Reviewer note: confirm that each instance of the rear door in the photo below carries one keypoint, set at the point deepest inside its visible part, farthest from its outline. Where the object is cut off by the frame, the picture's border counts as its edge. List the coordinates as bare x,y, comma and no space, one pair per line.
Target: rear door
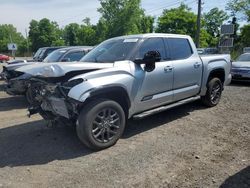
187,68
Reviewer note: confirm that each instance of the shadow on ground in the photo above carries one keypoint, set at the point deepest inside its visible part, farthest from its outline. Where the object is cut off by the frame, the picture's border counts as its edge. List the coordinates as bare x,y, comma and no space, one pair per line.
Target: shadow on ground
238,180
240,83
2,86
33,143
13,102
138,126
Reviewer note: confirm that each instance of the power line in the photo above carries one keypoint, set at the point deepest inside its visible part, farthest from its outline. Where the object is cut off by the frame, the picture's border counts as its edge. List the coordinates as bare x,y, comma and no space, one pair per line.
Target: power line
163,7
168,5
191,2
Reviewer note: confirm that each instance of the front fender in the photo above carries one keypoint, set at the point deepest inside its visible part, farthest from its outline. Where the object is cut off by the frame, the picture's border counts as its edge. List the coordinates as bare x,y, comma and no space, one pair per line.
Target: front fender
87,88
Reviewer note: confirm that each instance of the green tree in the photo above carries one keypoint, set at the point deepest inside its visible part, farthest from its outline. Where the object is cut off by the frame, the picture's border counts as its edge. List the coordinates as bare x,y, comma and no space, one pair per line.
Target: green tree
213,20
86,35
182,20
101,30
45,33
124,17
239,8
245,35
8,34
178,20
71,34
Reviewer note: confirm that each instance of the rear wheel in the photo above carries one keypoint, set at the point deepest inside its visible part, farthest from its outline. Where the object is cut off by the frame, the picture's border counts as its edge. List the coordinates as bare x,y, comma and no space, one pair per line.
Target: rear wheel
213,94
100,124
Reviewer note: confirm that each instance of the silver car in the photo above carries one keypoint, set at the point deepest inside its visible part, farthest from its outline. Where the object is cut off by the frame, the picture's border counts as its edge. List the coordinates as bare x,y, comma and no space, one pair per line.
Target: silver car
241,68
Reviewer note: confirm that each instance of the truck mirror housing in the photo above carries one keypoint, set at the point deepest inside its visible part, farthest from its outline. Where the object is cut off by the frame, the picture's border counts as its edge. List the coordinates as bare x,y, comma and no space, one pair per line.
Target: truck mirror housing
149,58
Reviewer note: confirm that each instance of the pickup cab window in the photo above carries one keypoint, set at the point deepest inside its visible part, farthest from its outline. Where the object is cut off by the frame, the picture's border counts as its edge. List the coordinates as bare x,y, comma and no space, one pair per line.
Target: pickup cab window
179,48
151,44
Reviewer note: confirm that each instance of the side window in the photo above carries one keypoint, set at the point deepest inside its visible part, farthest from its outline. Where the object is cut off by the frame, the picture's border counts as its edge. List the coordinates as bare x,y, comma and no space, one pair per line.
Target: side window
74,56
151,44
179,48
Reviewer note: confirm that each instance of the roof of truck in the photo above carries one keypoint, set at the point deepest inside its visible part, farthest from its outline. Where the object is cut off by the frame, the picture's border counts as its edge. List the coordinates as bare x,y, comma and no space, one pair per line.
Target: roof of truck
147,35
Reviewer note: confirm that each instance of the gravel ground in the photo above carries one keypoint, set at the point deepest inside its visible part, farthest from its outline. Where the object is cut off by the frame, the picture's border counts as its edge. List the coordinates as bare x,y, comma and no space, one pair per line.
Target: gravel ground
189,146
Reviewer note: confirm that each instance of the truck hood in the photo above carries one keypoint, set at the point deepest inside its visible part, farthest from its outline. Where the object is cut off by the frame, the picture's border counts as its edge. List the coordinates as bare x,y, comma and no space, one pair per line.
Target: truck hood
60,69
241,64
18,65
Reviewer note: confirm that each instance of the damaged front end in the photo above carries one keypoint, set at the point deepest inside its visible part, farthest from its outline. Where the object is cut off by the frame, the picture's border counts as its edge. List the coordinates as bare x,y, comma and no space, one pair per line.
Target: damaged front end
51,100
7,74
16,82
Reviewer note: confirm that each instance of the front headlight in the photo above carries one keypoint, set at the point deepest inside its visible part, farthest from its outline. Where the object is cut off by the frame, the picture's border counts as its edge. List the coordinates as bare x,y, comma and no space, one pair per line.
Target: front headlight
50,71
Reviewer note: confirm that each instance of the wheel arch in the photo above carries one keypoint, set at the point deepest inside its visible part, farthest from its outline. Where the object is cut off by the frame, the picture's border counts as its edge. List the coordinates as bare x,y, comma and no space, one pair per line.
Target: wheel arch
112,92
217,73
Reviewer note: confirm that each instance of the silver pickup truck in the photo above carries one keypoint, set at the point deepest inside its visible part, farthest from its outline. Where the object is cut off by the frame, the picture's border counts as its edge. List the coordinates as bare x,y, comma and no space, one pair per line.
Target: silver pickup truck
126,77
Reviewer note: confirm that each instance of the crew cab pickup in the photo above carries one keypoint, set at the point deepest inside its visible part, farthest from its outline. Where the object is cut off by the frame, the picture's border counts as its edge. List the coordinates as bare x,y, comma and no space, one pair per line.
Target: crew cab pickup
127,77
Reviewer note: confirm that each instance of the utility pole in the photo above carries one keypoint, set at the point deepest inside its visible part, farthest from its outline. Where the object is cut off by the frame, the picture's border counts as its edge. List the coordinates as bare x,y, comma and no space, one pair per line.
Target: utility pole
197,37
27,40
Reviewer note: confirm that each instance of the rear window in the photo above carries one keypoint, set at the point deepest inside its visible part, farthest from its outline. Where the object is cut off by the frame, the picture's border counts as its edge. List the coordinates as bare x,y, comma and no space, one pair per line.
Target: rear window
179,48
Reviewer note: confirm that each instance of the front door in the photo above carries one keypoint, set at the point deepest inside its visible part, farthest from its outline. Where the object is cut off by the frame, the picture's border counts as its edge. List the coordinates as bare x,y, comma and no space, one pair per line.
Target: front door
156,86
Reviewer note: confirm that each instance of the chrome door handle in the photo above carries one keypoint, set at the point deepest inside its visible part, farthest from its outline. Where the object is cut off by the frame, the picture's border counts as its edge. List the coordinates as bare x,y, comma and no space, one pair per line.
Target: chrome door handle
197,65
168,69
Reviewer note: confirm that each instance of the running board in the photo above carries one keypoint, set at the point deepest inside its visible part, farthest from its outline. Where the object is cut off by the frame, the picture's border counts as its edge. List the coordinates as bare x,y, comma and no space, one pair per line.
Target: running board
163,108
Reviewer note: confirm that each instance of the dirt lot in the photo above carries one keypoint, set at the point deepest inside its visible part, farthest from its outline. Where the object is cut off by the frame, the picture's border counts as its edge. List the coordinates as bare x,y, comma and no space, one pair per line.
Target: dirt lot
189,146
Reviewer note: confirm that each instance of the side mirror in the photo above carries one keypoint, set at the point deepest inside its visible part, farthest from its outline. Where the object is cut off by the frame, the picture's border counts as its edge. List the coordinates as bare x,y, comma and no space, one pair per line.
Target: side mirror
152,57
149,58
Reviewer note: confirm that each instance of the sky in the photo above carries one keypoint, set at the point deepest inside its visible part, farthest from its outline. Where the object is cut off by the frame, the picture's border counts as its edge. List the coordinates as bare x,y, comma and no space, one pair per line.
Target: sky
21,12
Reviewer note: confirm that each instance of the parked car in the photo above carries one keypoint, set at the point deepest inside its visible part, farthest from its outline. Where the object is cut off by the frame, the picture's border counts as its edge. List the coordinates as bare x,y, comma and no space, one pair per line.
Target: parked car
4,58
126,77
69,54
39,56
241,68
246,50
17,84
42,53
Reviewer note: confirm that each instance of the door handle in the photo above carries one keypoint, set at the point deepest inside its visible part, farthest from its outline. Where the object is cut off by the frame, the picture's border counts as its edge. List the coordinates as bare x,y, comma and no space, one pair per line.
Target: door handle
197,65
168,69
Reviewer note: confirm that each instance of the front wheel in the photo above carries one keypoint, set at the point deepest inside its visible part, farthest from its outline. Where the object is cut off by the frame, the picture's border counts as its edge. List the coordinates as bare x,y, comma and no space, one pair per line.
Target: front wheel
100,124
30,96
213,94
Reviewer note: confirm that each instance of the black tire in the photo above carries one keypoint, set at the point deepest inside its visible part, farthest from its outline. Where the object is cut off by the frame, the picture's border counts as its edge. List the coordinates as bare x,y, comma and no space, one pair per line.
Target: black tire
100,124
213,94
29,96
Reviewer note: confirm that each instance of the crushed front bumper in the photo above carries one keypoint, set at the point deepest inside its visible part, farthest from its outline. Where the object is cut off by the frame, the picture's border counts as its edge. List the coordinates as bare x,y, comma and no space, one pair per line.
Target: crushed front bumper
57,106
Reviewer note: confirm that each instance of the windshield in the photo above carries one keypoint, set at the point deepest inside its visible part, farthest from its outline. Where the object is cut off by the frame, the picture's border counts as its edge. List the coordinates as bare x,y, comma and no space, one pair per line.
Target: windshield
37,53
41,54
54,56
111,50
244,57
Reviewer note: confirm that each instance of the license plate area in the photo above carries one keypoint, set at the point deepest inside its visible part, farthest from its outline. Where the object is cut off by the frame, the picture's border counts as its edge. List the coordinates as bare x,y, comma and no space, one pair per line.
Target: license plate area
59,106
